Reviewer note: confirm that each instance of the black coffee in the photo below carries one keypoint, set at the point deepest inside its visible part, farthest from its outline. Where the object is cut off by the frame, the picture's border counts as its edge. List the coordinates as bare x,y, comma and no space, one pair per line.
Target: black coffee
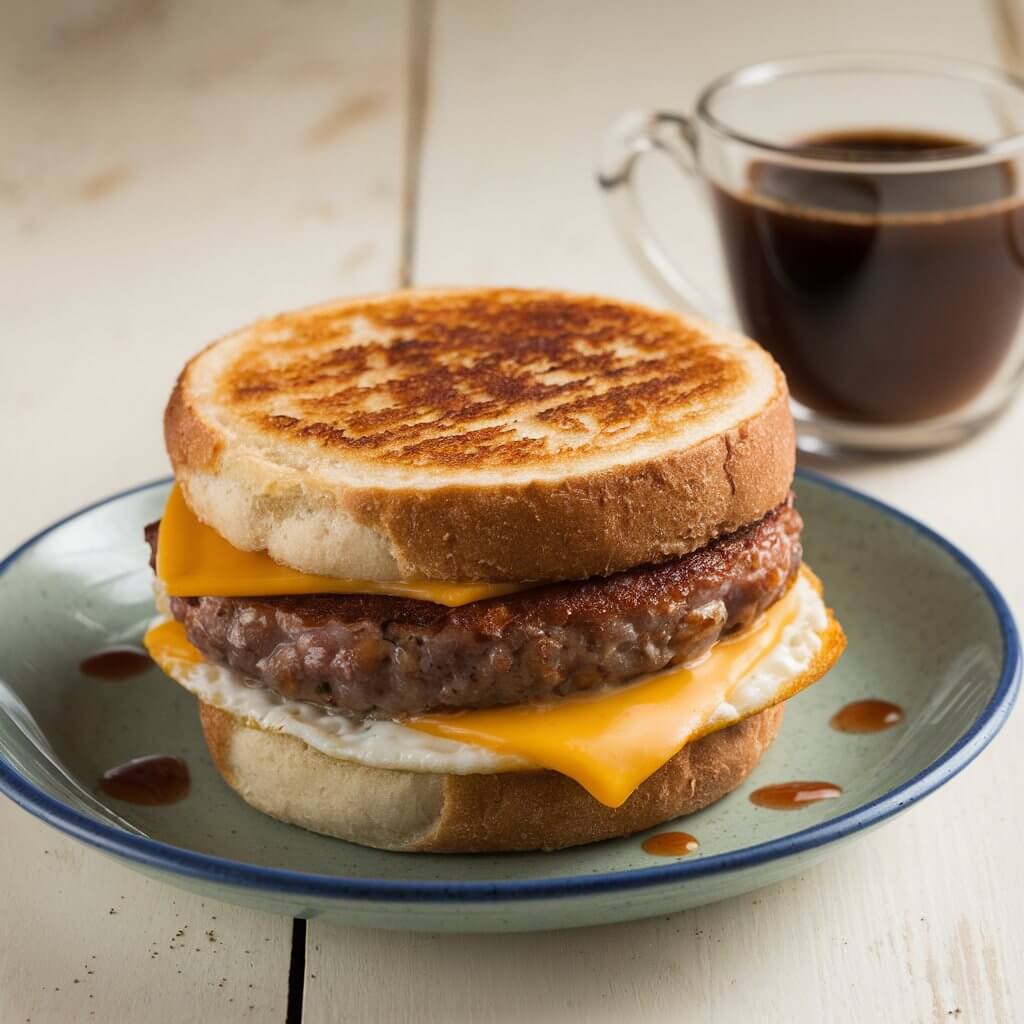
884,297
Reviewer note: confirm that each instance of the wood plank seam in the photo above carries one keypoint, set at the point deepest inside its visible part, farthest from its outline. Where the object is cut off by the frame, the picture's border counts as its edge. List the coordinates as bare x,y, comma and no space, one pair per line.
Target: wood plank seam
296,972
420,28
419,38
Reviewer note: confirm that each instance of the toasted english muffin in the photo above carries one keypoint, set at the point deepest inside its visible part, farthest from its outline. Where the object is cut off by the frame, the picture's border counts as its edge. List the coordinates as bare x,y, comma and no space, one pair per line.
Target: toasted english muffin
479,435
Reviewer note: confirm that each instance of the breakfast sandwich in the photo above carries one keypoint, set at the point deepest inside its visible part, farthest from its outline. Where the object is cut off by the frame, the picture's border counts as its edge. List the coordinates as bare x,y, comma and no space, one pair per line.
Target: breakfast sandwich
484,569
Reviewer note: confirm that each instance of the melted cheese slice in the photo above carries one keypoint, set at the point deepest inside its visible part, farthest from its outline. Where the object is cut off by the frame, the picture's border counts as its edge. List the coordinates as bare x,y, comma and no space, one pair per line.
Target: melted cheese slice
611,742
169,646
193,560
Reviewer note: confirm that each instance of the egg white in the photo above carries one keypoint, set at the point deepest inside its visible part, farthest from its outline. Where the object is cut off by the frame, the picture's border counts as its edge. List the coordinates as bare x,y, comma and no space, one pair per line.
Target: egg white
382,744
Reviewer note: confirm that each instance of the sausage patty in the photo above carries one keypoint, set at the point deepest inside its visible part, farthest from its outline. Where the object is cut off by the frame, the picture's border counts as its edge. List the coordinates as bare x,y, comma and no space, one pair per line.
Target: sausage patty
387,656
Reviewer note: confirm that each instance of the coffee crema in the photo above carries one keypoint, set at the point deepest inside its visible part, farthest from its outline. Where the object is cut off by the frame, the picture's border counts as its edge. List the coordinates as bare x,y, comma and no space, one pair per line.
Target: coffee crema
885,297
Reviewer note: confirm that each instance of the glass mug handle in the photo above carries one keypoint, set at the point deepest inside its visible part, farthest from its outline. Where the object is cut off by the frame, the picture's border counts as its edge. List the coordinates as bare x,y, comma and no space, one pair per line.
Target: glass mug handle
631,137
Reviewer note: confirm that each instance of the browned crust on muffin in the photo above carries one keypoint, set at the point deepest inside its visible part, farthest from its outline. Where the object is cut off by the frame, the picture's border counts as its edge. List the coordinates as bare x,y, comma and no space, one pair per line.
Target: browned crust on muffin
569,525
189,440
532,810
591,525
567,529
446,379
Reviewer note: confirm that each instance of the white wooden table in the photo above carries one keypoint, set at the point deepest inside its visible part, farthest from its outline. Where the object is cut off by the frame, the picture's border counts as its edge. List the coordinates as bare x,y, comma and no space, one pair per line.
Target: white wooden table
171,170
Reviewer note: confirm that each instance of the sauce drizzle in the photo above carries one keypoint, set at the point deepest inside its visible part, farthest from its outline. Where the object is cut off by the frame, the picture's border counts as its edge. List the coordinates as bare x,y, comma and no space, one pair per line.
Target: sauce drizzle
670,844
152,781
116,663
791,796
867,716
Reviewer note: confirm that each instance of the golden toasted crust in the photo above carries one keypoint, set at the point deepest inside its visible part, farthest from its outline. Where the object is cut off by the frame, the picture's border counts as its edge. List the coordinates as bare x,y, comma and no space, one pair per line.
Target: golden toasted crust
442,380
421,812
480,435
190,442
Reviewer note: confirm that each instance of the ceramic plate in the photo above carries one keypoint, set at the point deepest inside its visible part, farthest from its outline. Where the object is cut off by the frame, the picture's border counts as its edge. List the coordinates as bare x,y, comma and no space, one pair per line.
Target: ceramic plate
927,630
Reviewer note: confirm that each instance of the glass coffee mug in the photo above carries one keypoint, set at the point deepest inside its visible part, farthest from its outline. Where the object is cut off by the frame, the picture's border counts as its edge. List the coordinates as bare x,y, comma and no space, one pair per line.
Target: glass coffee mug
870,211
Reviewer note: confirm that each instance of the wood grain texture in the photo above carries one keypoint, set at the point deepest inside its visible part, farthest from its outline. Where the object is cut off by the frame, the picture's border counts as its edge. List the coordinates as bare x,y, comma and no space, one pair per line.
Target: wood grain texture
919,921
169,171
85,939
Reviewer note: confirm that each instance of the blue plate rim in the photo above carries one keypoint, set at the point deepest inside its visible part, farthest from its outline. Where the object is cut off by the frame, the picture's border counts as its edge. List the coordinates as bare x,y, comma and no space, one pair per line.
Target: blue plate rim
160,856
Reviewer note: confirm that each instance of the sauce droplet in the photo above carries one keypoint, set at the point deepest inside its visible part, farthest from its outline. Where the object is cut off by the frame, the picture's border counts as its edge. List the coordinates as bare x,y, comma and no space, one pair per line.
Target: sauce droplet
155,780
791,796
867,716
115,663
670,844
